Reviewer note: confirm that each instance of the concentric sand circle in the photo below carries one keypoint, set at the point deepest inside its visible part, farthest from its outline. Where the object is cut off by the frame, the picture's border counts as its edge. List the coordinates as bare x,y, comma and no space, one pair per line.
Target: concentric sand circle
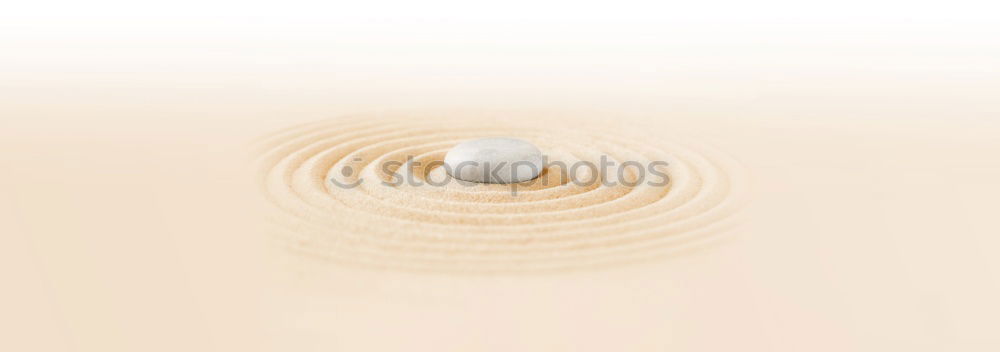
371,190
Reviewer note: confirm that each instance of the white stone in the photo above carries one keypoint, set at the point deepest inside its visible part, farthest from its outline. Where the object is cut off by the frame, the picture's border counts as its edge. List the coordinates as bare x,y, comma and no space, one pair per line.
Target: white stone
494,160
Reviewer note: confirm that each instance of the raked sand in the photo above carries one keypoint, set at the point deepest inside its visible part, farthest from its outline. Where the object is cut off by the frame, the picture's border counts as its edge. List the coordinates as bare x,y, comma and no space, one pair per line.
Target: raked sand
834,187
777,233
371,190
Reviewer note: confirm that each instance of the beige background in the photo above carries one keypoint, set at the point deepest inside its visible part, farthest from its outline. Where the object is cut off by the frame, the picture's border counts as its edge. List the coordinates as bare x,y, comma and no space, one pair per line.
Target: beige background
870,132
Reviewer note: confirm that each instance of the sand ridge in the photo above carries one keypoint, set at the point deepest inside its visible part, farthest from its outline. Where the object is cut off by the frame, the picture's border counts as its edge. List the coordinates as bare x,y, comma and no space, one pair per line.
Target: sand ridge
551,224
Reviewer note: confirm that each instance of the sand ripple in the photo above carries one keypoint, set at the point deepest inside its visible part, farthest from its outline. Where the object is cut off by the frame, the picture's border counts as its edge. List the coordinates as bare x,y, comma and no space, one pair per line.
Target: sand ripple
551,223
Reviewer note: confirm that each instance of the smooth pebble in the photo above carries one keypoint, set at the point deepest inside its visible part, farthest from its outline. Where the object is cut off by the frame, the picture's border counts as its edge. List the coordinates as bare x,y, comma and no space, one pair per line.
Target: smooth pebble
494,160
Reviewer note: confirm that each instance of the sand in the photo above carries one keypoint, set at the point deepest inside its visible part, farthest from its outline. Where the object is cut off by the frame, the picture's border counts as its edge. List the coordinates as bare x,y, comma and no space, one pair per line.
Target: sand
835,189
337,201
880,243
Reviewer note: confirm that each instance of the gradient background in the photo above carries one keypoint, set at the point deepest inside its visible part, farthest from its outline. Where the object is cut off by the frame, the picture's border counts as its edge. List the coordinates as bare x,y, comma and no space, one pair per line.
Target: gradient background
870,128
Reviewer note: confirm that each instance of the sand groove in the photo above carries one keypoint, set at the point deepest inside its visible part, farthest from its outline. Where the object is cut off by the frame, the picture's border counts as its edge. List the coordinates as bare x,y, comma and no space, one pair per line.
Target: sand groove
443,225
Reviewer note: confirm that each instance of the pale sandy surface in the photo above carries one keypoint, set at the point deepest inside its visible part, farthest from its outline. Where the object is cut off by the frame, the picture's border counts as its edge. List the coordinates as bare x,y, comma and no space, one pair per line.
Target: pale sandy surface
864,236
131,220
